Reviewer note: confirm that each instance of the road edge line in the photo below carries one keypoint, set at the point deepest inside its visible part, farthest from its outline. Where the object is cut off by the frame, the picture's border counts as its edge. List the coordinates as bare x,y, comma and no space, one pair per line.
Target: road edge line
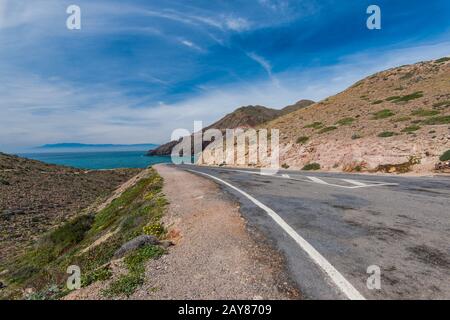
339,280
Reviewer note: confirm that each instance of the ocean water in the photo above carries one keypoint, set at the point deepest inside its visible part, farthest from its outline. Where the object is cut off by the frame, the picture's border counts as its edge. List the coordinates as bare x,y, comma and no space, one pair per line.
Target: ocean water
98,160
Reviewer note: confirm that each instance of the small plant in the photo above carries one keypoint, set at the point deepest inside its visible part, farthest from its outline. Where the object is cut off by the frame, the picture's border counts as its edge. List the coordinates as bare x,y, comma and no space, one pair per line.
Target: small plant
328,129
302,140
315,125
345,121
377,102
437,120
407,98
445,156
424,113
411,128
393,98
356,136
285,166
386,134
311,166
100,274
155,229
383,114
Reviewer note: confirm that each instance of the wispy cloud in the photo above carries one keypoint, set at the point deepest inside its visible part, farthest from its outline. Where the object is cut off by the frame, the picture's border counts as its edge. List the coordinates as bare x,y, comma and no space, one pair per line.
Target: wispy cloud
265,65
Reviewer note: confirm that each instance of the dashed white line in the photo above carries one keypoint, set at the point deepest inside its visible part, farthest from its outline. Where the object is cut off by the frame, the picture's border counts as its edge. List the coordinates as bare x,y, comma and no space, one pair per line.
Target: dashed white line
339,280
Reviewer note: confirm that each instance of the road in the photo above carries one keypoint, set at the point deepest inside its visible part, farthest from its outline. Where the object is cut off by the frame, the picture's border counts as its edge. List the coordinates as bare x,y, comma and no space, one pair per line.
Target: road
332,227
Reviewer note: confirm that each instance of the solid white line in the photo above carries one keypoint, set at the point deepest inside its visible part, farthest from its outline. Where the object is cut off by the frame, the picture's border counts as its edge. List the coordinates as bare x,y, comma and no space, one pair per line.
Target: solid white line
317,180
356,183
346,287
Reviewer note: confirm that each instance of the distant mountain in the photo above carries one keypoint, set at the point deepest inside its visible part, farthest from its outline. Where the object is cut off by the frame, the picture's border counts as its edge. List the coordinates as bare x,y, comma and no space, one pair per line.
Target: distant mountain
243,117
94,147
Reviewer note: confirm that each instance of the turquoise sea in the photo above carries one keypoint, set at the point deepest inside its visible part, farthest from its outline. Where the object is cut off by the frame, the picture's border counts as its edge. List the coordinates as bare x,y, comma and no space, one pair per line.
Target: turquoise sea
98,160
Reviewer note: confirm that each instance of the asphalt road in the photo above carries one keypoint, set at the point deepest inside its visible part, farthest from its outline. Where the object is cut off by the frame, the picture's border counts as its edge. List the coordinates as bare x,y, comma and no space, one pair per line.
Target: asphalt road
352,222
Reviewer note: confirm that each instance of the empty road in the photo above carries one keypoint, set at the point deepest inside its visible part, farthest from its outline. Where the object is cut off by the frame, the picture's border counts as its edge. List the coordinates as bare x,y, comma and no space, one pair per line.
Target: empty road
332,227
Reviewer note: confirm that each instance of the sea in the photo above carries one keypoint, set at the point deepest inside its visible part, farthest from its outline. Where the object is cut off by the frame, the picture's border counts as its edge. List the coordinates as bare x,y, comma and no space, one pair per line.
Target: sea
101,160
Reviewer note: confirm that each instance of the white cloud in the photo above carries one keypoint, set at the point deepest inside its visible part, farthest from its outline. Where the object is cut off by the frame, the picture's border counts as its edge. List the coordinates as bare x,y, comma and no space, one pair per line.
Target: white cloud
237,24
265,65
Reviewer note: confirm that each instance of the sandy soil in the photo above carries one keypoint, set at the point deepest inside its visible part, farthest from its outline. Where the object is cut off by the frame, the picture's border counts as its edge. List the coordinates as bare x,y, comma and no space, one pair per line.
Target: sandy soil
215,256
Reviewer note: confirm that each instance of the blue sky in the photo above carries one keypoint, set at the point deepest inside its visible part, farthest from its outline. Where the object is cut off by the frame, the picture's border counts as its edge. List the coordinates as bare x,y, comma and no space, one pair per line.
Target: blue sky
139,69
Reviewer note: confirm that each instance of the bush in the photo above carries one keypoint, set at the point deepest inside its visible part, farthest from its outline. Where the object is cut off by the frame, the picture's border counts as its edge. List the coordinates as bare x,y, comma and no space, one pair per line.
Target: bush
302,140
356,136
311,166
445,156
328,129
383,114
285,166
386,134
437,120
401,119
155,229
377,102
442,104
315,125
411,128
345,121
442,60
407,98
424,113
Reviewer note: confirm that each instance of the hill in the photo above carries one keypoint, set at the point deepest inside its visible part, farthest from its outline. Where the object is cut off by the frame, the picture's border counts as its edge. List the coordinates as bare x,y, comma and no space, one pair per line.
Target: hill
243,117
34,197
394,121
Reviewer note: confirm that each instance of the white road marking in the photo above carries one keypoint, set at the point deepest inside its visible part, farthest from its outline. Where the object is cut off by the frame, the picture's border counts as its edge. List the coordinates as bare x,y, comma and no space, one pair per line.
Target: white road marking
339,280
355,184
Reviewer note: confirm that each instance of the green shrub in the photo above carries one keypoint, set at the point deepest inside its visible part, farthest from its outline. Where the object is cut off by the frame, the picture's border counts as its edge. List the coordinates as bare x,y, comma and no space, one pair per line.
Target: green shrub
345,121
424,113
377,102
328,129
315,125
437,120
285,166
393,98
445,156
407,98
383,114
411,128
155,229
386,134
441,60
311,166
100,274
301,140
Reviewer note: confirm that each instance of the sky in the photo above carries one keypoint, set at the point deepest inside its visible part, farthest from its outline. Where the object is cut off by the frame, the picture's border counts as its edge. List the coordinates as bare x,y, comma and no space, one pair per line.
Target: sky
139,69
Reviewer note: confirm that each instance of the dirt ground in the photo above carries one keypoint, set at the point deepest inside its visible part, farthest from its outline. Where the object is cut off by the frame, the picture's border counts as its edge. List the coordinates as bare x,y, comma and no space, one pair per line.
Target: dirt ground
215,256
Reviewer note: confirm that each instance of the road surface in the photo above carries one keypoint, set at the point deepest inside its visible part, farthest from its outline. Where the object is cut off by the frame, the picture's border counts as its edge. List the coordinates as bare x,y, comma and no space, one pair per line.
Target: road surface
332,227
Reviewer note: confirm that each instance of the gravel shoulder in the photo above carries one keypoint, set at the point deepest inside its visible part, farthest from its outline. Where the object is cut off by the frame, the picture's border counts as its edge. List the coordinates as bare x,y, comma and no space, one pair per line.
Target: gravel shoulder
215,255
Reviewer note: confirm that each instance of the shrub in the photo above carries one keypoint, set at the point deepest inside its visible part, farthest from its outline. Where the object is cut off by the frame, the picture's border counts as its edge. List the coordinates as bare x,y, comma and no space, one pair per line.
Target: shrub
437,120
383,114
315,125
356,136
345,121
302,140
411,128
311,166
424,113
443,104
442,60
393,98
285,166
445,156
408,97
155,229
377,102
328,129
386,134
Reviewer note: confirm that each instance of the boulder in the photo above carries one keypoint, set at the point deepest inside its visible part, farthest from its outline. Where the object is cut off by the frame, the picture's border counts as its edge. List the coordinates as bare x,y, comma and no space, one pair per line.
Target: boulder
136,243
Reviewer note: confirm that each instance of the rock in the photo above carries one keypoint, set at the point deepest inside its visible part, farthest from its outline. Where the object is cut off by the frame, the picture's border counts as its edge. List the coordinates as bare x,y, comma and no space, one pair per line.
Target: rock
441,166
2,285
135,244
166,244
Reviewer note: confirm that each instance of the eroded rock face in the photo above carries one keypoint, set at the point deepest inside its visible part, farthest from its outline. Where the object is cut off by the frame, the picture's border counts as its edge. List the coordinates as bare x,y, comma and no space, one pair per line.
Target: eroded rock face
136,243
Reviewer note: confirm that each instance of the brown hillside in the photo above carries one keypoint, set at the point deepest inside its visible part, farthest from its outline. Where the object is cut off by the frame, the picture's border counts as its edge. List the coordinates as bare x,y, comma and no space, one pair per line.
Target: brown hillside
35,197
384,119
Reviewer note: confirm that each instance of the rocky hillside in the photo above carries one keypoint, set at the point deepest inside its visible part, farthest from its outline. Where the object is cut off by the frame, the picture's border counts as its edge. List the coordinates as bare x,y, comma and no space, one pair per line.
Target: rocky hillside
34,197
395,121
396,117
243,117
